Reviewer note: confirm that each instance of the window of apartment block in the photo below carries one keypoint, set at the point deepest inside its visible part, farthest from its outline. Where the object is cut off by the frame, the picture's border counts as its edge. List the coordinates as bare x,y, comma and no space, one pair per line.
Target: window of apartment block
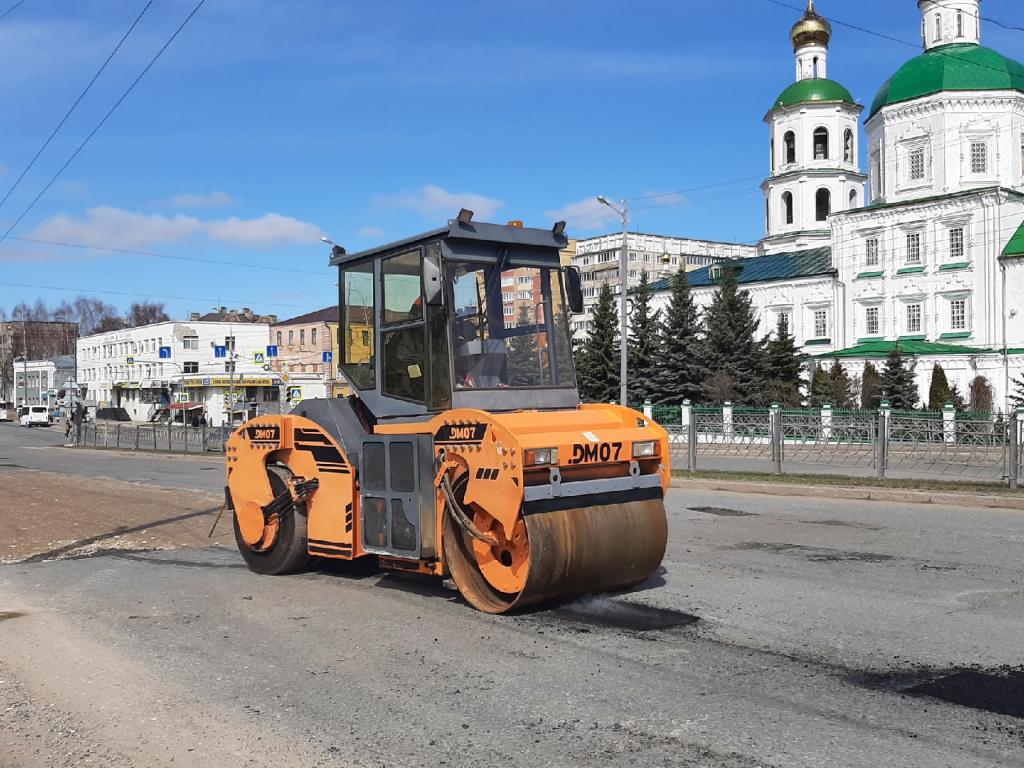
820,323
291,338
871,252
916,162
872,322
979,157
302,337
914,317
913,248
312,336
190,367
958,314
190,343
956,243
509,311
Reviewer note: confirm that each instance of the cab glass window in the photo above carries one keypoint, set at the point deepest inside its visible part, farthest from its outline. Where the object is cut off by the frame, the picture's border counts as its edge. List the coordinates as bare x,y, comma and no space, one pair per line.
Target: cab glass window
402,291
358,310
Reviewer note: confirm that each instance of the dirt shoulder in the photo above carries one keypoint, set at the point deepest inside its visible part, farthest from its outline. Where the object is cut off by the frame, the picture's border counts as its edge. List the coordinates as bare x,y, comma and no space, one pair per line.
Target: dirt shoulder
46,516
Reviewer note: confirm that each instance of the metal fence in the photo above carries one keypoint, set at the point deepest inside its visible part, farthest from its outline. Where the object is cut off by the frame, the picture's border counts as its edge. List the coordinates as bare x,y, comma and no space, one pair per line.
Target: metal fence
152,437
883,443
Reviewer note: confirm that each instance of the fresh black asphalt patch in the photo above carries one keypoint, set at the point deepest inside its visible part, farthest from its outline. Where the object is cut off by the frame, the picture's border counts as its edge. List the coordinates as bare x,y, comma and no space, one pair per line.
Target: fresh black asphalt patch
815,554
1000,691
723,512
613,614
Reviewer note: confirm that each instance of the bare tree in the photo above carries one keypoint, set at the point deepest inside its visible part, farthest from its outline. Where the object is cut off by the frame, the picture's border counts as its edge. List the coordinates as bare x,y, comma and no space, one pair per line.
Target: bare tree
145,313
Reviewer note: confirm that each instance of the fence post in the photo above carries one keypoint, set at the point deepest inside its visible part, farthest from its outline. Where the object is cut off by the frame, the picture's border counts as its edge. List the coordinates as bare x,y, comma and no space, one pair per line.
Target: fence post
689,418
648,410
727,421
949,423
775,421
117,437
1014,469
882,448
826,422
185,433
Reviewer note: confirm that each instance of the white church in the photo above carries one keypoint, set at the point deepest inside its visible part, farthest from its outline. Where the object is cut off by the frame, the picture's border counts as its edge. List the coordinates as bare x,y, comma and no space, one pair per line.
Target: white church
926,251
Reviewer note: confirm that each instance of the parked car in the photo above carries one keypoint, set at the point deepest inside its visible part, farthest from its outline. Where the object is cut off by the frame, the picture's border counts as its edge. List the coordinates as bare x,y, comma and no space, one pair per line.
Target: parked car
34,416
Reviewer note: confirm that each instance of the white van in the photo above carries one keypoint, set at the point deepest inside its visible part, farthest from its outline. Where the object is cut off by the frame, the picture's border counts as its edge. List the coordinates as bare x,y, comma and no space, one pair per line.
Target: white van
34,416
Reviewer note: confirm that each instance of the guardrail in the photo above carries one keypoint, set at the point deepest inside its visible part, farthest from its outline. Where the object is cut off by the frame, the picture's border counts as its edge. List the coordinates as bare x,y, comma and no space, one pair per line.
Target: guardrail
887,442
153,437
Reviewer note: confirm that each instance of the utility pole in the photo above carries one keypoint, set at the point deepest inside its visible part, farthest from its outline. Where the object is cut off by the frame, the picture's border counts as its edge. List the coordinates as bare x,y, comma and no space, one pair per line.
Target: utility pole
623,290
24,362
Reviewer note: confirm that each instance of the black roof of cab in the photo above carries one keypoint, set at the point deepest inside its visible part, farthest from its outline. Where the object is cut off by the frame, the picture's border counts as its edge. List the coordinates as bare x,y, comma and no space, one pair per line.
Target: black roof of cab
525,243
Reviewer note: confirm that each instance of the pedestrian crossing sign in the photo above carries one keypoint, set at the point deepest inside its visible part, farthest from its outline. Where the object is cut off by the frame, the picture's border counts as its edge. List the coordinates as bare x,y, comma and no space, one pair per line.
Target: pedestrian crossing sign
259,358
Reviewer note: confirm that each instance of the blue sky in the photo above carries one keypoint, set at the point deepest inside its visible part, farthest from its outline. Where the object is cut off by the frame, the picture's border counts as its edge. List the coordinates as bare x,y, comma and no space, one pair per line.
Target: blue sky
268,123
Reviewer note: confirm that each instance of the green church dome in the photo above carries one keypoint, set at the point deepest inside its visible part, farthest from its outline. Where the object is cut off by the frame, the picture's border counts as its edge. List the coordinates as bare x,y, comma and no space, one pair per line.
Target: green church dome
954,67
812,90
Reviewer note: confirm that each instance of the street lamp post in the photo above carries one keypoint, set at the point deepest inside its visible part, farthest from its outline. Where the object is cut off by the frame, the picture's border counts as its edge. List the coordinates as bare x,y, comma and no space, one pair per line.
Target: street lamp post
623,290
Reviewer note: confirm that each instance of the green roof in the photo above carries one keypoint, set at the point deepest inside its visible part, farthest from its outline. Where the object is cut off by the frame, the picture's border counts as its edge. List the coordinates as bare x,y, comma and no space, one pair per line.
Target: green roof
811,262
810,90
1016,245
881,348
954,67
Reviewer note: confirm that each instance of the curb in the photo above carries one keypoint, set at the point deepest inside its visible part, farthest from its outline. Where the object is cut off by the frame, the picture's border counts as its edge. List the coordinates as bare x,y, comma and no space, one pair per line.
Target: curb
945,498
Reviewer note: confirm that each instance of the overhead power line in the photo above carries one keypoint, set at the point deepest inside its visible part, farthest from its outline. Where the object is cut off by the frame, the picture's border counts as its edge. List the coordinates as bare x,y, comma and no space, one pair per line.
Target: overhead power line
12,9
100,124
74,106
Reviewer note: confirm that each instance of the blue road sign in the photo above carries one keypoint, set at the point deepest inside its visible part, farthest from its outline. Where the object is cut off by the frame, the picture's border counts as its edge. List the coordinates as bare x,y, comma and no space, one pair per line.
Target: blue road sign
220,351
165,353
272,350
328,357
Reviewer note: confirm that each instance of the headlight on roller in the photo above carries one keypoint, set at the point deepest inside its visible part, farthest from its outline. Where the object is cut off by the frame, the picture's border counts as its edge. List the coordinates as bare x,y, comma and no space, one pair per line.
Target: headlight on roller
539,457
645,449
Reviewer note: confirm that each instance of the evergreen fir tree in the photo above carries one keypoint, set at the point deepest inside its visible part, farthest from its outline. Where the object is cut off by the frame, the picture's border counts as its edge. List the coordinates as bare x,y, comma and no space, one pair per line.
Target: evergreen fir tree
820,387
870,388
898,383
677,373
840,387
598,362
781,367
643,345
939,393
524,364
731,353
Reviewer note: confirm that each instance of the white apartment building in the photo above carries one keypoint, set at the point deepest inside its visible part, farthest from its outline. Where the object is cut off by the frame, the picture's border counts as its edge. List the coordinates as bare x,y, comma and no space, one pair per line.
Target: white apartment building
142,368
38,382
598,259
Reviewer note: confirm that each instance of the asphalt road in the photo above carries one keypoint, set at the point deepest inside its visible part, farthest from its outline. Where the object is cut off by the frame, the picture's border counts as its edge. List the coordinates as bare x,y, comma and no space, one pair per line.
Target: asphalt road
781,632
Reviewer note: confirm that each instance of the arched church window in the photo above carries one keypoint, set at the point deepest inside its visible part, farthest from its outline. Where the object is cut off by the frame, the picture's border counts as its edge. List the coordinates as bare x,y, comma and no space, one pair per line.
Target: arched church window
848,146
773,154
814,70
853,198
790,141
959,23
821,144
938,27
787,207
822,204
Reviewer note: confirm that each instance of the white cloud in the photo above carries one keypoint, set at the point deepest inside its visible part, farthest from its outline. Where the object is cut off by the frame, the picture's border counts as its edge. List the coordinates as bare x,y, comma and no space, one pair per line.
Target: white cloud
213,200
434,202
371,232
108,227
586,214
268,229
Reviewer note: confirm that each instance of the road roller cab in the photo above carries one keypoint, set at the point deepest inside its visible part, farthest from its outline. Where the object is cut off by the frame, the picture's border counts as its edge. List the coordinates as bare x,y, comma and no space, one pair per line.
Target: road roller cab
464,449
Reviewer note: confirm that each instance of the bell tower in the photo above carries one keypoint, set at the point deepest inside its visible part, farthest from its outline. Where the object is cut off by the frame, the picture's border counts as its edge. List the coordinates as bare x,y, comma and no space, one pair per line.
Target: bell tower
944,22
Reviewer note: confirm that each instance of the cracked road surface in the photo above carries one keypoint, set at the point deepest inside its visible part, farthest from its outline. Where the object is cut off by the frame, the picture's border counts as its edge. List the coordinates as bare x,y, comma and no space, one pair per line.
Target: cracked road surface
781,632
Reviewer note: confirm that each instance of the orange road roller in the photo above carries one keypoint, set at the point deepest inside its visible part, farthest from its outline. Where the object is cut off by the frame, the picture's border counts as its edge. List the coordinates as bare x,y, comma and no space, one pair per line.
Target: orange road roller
463,450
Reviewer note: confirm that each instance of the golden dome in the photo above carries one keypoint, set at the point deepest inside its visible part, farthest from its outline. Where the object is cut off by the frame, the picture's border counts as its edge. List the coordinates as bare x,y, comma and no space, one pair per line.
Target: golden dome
812,29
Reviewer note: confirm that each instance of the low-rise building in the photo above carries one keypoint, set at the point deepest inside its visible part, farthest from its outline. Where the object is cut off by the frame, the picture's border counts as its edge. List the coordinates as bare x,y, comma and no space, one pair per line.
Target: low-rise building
307,348
40,382
219,364
35,339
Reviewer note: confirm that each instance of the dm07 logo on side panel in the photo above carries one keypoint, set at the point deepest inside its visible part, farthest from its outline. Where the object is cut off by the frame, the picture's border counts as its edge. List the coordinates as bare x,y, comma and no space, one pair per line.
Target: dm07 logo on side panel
595,452
460,433
264,433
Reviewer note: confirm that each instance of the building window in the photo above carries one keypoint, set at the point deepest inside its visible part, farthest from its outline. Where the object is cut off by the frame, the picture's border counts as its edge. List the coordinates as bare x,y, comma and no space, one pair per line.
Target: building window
848,146
938,27
820,323
789,140
787,207
229,342
822,204
871,321
190,367
916,159
958,314
979,157
821,144
914,315
959,23
509,311
913,248
853,199
190,343
291,338
279,338
525,295
871,252
956,243
312,336
302,337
